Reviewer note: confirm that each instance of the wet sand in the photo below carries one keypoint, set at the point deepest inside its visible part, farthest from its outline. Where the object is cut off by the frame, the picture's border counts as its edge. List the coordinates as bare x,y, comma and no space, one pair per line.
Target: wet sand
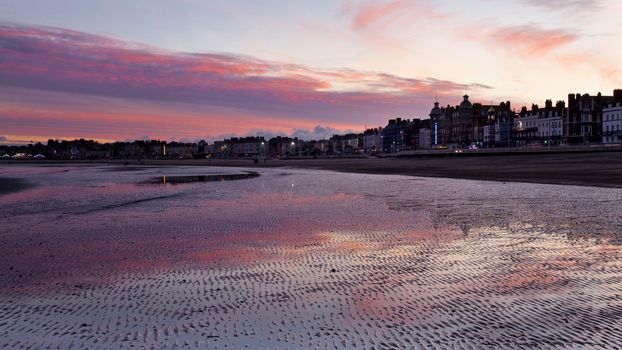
600,169
585,169
94,258
10,184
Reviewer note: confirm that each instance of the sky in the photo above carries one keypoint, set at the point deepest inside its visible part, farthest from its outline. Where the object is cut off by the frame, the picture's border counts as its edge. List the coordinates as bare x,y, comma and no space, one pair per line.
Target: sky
186,70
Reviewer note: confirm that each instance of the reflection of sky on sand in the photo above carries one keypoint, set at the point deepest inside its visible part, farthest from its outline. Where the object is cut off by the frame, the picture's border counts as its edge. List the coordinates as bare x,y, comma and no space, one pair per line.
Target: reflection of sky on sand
338,260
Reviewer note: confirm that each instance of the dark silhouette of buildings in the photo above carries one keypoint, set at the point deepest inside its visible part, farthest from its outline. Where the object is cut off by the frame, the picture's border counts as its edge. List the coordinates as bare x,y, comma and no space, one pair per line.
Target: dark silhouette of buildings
584,120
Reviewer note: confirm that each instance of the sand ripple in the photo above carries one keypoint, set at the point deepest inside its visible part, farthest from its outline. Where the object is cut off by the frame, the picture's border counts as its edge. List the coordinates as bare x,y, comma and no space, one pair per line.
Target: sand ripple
308,260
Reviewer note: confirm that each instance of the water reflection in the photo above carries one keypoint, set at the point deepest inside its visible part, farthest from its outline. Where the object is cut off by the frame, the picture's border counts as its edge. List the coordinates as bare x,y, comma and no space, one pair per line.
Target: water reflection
349,261
185,179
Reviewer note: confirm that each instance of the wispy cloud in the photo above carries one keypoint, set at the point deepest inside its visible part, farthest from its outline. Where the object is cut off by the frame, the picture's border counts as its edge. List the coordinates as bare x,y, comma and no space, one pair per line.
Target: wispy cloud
565,5
377,15
61,60
526,40
383,23
533,40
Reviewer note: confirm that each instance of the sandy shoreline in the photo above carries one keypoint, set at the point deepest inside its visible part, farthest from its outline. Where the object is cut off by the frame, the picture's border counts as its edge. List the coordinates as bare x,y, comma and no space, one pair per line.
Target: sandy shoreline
582,169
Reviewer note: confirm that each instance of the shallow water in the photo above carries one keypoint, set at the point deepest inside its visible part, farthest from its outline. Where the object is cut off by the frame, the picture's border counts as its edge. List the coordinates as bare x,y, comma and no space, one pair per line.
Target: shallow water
185,179
92,258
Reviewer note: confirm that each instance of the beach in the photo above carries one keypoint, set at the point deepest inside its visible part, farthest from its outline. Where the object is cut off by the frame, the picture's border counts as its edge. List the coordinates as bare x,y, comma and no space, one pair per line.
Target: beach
601,169
115,256
587,169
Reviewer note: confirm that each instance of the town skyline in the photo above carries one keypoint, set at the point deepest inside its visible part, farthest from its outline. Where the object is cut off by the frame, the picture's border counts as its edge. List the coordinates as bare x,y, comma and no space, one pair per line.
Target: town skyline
322,133
190,70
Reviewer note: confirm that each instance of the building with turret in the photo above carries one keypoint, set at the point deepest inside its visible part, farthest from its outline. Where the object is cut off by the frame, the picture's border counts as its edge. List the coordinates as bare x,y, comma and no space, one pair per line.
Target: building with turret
470,124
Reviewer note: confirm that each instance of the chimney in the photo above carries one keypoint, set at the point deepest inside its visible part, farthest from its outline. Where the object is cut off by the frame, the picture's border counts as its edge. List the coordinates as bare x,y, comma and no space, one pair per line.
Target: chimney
548,105
571,100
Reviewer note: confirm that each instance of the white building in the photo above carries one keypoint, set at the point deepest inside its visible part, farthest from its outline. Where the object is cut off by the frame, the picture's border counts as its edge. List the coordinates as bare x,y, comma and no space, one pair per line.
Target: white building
526,129
612,123
550,126
540,125
372,140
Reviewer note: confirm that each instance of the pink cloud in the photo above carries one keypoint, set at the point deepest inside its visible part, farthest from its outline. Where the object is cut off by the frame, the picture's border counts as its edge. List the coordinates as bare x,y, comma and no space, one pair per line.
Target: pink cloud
262,93
374,13
379,14
532,39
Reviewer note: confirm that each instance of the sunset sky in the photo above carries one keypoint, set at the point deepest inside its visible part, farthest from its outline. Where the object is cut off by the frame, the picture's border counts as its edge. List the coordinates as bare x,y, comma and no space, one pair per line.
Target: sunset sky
192,69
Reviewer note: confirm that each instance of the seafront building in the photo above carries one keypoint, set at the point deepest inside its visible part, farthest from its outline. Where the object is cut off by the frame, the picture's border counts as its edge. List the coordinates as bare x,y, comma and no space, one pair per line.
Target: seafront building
372,140
469,124
283,146
540,125
347,144
396,136
248,146
612,123
584,120
181,150
550,123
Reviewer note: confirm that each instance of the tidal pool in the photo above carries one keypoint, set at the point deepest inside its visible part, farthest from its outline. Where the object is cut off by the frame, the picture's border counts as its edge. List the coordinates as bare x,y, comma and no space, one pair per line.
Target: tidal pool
93,258
185,179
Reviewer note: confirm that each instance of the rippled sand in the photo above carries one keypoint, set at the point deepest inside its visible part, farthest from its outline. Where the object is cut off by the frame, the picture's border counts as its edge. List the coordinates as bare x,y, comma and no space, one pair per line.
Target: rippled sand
91,257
